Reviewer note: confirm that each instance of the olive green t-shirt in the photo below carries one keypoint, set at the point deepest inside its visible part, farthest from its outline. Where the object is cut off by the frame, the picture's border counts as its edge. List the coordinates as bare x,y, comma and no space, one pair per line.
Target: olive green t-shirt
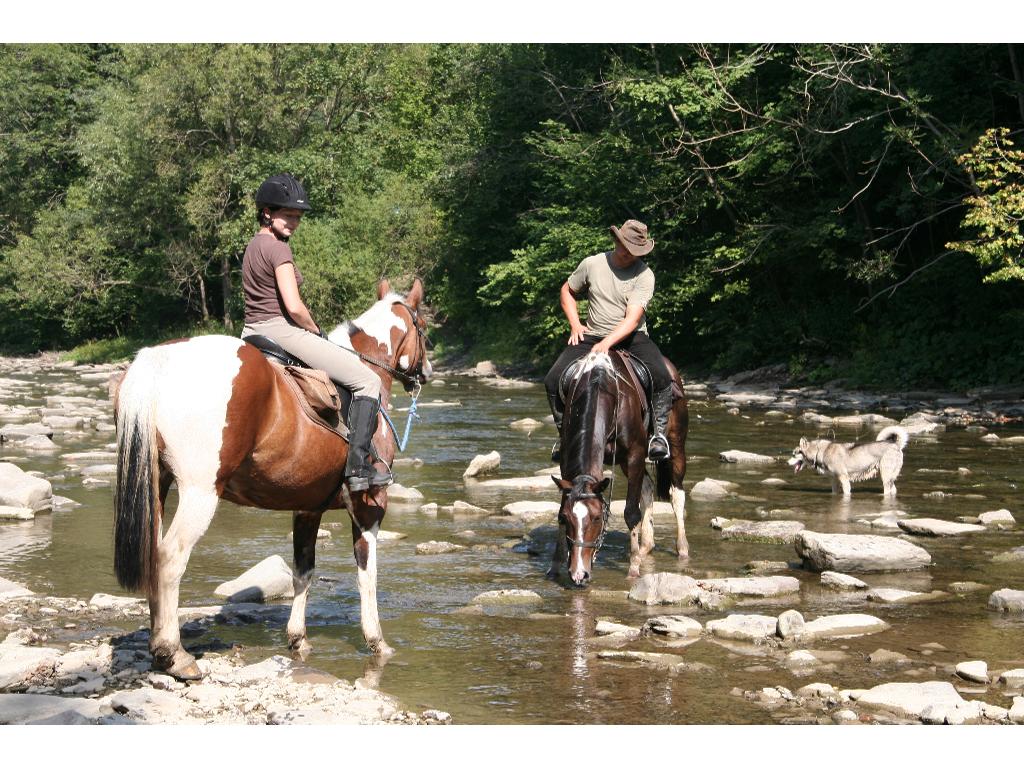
610,290
263,255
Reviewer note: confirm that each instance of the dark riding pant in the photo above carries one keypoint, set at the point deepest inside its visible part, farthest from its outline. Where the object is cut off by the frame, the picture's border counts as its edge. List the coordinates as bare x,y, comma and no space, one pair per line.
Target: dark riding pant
638,344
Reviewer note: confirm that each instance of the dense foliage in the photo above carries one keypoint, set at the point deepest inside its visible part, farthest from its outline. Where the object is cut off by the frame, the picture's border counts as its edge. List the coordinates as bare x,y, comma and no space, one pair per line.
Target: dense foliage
848,210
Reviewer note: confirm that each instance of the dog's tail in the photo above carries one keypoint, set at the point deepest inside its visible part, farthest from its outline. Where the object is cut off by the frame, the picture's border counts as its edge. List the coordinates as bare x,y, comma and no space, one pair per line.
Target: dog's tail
896,435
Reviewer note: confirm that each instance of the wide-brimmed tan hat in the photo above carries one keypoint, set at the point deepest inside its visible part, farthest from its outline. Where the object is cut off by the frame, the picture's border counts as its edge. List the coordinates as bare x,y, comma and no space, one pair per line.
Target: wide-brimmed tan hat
633,236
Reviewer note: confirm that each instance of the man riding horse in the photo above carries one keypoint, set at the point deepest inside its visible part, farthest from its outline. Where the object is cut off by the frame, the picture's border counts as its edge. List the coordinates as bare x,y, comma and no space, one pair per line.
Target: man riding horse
618,285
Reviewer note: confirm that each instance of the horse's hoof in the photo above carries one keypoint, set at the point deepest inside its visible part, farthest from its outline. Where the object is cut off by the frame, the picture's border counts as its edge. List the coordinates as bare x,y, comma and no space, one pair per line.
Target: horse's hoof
181,665
300,648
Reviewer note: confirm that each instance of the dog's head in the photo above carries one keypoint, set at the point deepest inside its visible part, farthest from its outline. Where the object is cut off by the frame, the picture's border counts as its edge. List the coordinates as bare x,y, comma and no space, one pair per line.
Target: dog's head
800,455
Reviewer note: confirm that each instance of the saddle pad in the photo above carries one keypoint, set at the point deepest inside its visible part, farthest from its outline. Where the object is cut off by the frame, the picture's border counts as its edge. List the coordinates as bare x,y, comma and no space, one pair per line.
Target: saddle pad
316,395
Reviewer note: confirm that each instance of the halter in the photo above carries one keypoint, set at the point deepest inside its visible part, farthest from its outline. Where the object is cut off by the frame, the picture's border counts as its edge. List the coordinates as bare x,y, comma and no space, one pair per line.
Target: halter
606,508
411,378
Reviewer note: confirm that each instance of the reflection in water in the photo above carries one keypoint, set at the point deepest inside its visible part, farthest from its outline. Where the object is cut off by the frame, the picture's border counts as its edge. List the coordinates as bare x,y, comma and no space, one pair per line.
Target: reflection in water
580,628
25,539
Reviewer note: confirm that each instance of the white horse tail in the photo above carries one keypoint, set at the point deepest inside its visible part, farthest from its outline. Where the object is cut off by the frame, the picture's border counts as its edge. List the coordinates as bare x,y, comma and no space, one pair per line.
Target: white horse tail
896,435
136,486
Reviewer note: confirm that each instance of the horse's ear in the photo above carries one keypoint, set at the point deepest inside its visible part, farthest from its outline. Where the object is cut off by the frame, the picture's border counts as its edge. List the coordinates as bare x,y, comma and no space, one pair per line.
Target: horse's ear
602,485
565,485
383,288
415,294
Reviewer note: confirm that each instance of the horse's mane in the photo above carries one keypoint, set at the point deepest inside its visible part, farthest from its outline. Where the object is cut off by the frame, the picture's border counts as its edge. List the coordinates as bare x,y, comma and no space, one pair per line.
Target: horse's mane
596,375
343,332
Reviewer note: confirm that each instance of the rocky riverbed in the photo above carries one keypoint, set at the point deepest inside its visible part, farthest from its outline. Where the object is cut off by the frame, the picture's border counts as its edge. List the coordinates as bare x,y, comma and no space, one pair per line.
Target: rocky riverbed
827,592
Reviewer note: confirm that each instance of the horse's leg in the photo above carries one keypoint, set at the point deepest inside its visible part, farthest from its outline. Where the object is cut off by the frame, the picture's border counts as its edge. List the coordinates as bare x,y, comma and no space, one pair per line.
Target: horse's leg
368,512
647,515
634,469
304,529
191,519
561,552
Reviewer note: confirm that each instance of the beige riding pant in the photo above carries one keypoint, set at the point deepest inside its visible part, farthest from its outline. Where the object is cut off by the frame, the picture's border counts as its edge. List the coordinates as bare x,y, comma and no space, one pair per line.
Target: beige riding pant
342,365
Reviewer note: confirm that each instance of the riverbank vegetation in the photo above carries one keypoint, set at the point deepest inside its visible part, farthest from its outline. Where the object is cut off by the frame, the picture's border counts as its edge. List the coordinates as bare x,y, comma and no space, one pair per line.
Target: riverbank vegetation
850,211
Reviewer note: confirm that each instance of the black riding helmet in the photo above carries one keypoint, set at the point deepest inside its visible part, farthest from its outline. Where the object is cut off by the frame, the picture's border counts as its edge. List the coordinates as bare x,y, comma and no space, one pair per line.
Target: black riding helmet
282,191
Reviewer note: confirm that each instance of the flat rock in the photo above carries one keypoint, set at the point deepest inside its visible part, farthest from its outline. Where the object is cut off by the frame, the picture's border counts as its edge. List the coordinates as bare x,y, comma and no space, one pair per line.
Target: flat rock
841,581
672,626
997,516
20,489
398,492
1015,555
709,488
911,699
1009,600
855,552
751,628
745,457
530,483
532,509
507,597
104,601
20,663
437,548
975,671
752,586
17,432
40,709
928,526
662,587
883,656
606,628
269,579
149,705
9,589
888,595
1012,678
843,625
482,464
771,531
465,508
526,424
16,513
962,587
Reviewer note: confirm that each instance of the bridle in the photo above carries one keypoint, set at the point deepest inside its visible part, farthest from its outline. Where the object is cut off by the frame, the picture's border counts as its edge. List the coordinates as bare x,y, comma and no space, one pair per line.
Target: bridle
413,377
605,512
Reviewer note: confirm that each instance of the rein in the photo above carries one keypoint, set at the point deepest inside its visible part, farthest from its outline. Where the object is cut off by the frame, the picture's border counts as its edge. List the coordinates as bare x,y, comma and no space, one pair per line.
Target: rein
408,422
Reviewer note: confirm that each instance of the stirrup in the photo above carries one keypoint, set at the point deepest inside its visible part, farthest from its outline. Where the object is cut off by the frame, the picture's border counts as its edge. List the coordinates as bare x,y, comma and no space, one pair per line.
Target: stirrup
657,453
376,478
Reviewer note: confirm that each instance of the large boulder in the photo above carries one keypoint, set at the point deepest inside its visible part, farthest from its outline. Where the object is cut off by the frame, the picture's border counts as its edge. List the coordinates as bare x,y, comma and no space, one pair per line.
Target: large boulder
1009,600
20,489
846,552
269,579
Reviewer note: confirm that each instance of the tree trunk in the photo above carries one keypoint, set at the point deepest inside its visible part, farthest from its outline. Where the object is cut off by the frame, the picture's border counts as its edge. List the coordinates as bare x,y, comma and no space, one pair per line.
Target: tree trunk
225,279
202,299
1017,78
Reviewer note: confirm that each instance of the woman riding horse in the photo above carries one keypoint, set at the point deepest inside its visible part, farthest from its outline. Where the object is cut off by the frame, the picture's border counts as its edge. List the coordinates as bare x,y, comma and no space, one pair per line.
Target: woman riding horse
274,308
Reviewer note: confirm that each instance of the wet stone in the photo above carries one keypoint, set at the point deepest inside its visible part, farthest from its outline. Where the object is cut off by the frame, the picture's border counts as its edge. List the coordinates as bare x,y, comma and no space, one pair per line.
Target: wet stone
1009,600
927,526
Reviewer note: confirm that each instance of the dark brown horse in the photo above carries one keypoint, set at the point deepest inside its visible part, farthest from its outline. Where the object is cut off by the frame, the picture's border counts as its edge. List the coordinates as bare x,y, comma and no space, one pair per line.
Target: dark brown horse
212,415
604,424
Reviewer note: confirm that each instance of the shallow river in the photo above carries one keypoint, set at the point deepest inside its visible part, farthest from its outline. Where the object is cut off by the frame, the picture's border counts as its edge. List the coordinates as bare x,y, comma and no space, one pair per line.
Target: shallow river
542,667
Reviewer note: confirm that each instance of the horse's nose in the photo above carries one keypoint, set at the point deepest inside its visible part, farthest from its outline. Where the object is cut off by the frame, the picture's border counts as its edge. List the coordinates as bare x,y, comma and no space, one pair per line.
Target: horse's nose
581,578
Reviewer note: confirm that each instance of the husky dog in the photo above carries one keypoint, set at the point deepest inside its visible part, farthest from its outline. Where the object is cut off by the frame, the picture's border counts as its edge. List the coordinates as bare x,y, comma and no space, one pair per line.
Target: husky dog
849,462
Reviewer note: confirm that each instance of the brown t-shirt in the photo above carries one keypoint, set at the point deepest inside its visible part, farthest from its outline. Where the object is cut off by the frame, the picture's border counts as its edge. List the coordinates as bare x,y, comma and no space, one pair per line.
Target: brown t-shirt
263,255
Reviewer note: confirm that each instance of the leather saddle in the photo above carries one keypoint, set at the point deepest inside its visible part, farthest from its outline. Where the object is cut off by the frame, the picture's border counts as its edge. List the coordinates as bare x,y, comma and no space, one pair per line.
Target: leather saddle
324,401
639,374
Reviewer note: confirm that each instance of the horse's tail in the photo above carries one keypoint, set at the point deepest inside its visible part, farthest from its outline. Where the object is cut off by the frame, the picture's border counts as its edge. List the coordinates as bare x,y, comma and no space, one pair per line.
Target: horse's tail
136,486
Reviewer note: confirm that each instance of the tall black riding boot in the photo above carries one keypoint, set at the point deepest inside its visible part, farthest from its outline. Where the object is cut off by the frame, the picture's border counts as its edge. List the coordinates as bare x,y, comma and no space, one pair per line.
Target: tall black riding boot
556,411
360,472
661,406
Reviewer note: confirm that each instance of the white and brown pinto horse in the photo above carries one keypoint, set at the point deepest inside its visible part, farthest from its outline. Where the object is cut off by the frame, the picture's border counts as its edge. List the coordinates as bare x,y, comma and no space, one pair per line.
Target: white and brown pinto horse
604,424
211,415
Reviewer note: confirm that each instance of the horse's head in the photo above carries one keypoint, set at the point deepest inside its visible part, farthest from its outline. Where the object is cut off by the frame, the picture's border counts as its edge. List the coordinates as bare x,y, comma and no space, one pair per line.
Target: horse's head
391,335
584,515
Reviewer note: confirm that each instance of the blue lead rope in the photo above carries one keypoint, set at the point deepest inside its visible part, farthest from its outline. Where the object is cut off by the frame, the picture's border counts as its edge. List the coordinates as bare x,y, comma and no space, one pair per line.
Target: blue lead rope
408,422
